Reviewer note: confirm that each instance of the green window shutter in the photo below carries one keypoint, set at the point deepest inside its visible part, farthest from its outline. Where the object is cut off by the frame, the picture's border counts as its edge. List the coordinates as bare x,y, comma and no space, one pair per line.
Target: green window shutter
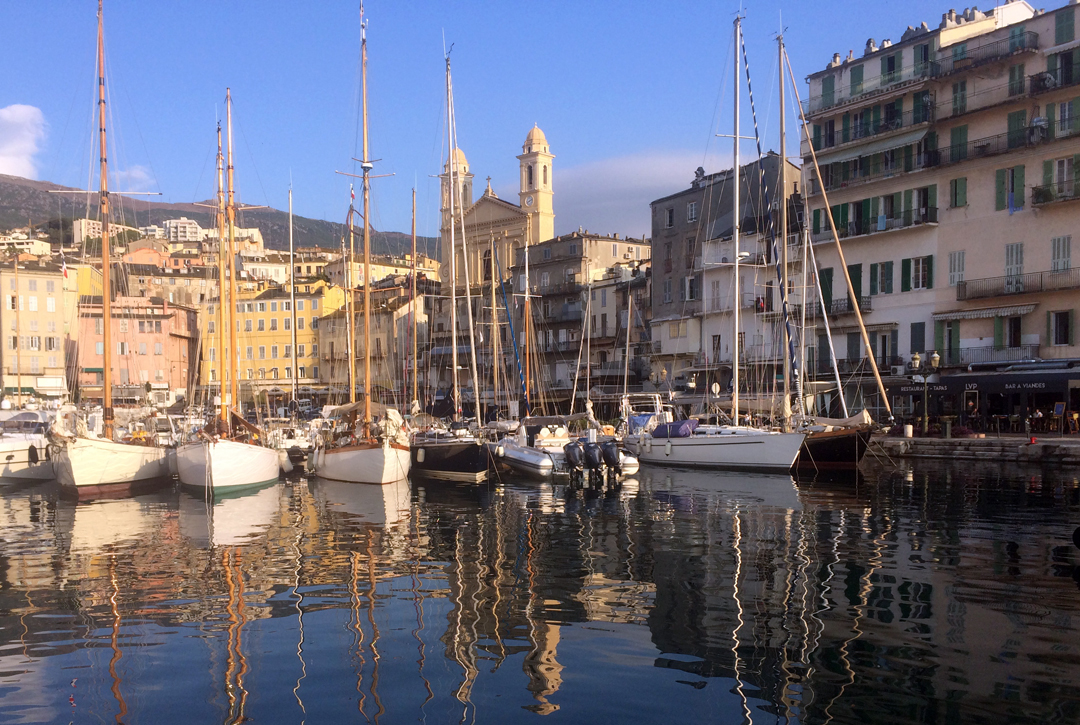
1049,328
843,216
939,337
931,196
1074,126
999,332
876,113
1018,185
909,158
1063,26
907,199
886,278
931,140
1048,173
828,87
961,191
845,171
856,79
930,271
1052,65
874,205
1017,129
1050,125
835,212
900,108
954,341
855,272
884,68
845,133
825,277
817,137
905,275
1071,338
1076,168
896,204
918,337
1000,197
866,215
817,221
873,279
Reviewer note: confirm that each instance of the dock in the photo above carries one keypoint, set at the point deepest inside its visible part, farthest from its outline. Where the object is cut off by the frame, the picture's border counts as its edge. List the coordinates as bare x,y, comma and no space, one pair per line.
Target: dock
1049,450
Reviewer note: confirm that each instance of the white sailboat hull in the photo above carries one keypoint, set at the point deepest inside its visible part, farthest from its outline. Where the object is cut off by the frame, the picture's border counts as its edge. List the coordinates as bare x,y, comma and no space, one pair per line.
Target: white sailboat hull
99,464
378,463
15,458
223,465
742,449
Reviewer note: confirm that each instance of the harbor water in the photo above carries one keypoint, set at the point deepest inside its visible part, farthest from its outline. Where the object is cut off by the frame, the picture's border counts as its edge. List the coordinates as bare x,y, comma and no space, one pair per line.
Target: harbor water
930,593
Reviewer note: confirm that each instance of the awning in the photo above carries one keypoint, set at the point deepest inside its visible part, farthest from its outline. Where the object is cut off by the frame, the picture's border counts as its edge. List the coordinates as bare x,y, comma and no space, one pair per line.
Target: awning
1062,48
1014,381
984,312
866,149
879,327
12,390
93,370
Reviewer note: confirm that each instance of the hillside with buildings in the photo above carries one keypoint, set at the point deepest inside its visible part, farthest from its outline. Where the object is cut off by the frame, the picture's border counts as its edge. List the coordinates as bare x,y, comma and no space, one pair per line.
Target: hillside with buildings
24,199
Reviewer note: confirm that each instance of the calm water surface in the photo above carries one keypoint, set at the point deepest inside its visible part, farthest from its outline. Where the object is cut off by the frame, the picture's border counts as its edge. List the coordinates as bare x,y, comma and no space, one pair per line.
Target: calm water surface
933,594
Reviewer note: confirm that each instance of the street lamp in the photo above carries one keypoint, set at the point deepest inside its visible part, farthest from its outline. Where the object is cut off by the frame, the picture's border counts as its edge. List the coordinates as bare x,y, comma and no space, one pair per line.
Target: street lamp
935,360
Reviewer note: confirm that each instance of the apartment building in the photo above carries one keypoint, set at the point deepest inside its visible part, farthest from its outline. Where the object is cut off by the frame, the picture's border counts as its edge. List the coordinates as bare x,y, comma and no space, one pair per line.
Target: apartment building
947,164
32,320
154,344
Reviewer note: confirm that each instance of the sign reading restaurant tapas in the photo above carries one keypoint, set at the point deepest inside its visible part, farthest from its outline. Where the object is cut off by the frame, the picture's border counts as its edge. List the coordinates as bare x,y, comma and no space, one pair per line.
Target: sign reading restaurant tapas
930,388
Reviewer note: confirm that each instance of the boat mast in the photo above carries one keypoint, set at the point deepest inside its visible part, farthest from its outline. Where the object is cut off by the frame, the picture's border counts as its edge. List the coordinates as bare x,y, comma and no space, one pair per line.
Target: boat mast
350,300
224,298
366,165
230,209
468,303
525,338
494,336
106,301
629,328
786,407
453,246
18,328
292,294
737,213
415,395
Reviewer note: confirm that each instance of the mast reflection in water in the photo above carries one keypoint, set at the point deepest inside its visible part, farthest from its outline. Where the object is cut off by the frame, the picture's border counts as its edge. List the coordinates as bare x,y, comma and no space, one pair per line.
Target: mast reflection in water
933,594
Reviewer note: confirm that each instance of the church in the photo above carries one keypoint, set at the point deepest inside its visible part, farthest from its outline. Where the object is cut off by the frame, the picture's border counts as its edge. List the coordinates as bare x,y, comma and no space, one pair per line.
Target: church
493,223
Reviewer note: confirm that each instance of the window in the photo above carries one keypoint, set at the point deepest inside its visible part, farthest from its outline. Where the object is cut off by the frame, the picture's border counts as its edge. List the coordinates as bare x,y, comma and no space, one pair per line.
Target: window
249,352
314,323
33,285
210,327
122,348
1009,189
959,97
920,273
547,252
1012,331
52,361
315,353
1061,253
159,348
958,192
213,354
1062,170
881,278
545,279
262,325
273,352
1016,79
50,303
1014,268
677,329
288,323
692,288
669,217
1017,128
99,347
301,372
667,290
262,352
691,212
250,374
314,371
956,267
142,348
1061,327
159,375
35,364
299,305
288,351
52,343
299,323
273,323
157,325
247,325
300,353
286,306
273,306
50,286
261,307
1063,26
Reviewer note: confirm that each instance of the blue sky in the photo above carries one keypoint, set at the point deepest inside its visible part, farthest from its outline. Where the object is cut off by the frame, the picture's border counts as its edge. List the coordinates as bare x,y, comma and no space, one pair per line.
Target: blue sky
630,94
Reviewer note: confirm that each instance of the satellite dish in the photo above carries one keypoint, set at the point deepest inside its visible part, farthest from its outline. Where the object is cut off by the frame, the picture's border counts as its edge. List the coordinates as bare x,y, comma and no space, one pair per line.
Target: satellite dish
715,388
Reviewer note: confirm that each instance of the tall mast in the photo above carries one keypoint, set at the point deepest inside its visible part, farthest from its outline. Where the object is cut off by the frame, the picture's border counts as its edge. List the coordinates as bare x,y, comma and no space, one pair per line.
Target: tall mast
350,301
786,409
525,328
629,329
366,166
415,395
106,291
18,331
230,209
224,298
453,246
494,336
292,295
737,213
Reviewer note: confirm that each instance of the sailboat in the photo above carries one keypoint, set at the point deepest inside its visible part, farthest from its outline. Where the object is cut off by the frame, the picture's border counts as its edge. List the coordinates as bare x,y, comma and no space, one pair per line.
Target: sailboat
361,450
458,454
690,443
229,453
101,465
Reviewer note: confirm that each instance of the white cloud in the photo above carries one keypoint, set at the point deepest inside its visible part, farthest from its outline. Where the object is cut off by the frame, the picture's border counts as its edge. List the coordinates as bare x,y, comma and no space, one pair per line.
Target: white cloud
613,195
135,178
22,129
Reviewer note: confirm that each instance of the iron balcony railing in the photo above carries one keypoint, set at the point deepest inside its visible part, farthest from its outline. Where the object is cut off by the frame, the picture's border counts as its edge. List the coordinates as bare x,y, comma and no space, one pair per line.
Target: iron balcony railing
1018,284
1060,191
816,104
841,306
891,163
1049,80
989,354
566,314
1024,42
867,128
874,225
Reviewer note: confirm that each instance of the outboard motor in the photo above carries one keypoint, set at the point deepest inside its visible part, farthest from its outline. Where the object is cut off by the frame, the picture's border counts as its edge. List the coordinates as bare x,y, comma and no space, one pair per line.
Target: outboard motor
610,449
574,455
594,457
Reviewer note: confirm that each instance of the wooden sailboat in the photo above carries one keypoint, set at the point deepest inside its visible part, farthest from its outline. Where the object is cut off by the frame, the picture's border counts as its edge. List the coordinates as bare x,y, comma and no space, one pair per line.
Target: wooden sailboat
362,451
91,465
687,443
458,454
229,453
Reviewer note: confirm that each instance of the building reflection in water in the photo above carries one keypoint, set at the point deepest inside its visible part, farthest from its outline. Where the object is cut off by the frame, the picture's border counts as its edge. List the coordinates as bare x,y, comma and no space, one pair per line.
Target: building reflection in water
933,594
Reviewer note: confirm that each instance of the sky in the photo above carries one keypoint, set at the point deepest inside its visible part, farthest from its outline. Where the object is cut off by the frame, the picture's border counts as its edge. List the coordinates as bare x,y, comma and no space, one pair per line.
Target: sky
629,94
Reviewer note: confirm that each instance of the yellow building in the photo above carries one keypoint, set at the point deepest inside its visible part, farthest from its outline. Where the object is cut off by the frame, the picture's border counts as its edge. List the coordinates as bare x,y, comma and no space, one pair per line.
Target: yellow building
32,319
266,361
382,266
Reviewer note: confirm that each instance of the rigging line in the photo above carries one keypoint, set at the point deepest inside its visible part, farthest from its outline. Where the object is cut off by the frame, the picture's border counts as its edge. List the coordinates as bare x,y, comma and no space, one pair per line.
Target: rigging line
770,232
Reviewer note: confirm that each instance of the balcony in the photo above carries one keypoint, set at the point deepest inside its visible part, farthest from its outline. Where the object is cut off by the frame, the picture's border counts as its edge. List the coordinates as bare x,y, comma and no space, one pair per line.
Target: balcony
1050,80
893,162
906,219
1026,42
1019,284
880,84
842,306
993,145
868,129
565,314
989,354
563,288
1051,193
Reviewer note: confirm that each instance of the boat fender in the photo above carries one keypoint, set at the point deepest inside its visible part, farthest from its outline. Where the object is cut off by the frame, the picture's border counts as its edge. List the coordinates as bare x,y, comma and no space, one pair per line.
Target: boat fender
500,451
420,455
667,448
648,445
